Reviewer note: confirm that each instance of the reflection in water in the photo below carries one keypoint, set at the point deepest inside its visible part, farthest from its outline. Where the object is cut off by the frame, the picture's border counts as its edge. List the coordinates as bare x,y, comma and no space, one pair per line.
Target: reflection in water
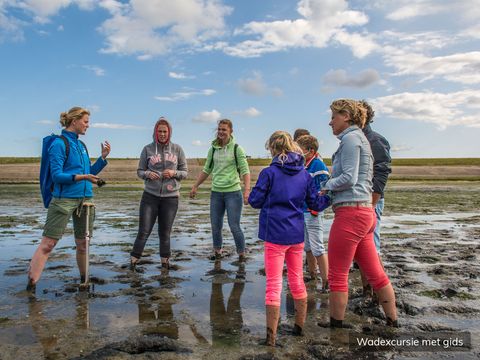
156,313
227,323
49,332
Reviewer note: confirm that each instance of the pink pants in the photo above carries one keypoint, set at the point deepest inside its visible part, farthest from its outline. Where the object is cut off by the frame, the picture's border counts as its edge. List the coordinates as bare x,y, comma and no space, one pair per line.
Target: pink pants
275,256
351,238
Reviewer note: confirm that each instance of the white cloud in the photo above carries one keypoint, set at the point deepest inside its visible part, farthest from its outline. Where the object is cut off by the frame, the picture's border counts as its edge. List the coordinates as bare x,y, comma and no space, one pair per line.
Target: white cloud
180,76
115,126
93,108
363,79
198,143
252,112
155,27
462,10
400,148
254,85
207,117
412,10
360,44
10,27
441,109
98,71
459,67
184,95
45,122
320,22
60,28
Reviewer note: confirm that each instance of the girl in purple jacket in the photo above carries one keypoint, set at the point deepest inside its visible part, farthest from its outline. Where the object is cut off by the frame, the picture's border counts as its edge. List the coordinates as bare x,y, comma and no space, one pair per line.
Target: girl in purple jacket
280,192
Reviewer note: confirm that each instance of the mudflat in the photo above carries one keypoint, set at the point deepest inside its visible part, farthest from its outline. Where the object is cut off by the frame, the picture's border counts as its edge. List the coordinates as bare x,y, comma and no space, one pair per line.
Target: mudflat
215,309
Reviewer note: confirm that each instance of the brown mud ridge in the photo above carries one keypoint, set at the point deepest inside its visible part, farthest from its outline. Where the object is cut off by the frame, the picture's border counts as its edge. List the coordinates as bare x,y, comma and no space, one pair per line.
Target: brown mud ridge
202,309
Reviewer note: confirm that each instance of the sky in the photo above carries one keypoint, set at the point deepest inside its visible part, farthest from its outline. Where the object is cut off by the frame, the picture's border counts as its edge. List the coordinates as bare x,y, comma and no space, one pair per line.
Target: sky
266,65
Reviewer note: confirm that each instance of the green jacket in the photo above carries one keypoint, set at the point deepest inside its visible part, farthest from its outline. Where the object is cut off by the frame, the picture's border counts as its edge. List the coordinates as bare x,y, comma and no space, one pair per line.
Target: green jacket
225,177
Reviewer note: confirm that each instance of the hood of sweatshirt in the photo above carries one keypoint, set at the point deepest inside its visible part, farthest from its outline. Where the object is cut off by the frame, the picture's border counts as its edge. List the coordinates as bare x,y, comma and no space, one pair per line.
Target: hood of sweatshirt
292,164
216,145
162,121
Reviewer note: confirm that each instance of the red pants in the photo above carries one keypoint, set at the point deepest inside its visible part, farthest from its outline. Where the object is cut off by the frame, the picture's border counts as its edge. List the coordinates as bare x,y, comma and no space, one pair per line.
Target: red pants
351,238
275,257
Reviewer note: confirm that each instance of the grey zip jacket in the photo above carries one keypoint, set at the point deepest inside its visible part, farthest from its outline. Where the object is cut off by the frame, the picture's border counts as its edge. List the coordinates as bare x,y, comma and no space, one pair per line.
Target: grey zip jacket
352,168
158,157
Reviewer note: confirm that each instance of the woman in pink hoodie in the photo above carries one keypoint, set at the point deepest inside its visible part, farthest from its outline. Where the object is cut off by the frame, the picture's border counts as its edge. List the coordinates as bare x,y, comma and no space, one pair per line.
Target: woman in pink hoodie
162,165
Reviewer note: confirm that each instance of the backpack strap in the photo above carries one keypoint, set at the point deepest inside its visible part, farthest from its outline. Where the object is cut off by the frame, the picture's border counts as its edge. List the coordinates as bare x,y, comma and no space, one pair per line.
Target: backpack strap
67,147
235,154
210,166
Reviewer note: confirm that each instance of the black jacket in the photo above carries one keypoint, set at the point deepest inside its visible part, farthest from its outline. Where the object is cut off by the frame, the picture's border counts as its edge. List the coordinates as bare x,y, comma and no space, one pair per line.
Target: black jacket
382,160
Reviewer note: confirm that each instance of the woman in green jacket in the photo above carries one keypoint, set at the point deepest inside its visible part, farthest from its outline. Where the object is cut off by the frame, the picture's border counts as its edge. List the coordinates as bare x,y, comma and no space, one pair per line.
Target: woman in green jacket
226,161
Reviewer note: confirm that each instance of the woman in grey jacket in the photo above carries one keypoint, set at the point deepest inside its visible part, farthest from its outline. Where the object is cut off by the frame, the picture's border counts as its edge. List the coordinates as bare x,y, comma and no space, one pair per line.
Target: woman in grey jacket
351,234
162,165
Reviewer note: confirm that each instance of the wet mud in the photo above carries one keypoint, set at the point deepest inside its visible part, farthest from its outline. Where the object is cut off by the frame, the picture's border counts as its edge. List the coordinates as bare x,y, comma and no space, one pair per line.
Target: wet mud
204,309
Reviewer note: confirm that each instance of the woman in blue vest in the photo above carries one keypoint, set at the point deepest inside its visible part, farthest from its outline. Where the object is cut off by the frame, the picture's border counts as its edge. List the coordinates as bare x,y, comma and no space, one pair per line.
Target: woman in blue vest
73,177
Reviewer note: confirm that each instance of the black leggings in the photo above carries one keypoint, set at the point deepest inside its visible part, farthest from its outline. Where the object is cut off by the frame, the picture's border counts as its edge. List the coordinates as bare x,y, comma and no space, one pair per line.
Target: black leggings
151,208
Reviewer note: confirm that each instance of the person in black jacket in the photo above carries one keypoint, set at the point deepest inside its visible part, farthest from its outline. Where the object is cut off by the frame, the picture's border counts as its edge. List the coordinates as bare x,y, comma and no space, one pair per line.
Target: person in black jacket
381,170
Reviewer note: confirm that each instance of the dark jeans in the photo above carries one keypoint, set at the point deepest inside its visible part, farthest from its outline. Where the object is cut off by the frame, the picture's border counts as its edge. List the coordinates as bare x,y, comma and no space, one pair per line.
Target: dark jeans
151,208
232,202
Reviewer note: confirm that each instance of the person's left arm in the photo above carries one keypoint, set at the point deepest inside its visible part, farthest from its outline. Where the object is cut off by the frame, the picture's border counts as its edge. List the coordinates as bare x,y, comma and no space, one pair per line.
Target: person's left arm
381,167
260,191
102,160
314,200
244,173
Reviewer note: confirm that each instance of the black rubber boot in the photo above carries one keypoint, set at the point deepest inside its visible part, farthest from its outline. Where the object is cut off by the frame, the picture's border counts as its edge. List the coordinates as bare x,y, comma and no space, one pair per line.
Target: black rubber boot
334,323
392,323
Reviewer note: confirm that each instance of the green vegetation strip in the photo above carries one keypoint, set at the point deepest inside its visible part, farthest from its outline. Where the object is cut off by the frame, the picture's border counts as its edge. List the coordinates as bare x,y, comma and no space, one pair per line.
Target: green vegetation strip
266,161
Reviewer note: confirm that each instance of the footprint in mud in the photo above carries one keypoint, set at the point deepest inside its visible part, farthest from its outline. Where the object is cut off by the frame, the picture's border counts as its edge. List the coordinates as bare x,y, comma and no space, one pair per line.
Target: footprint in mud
427,259
452,309
431,327
408,309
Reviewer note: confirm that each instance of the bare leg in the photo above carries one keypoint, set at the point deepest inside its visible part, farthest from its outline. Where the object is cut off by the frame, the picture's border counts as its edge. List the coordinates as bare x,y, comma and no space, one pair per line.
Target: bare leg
40,258
386,297
81,254
338,304
312,265
273,315
300,315
322,262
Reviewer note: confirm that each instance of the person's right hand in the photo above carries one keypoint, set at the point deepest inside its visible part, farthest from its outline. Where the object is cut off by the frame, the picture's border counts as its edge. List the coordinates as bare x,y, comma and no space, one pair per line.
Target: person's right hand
152,175
193,192
92,178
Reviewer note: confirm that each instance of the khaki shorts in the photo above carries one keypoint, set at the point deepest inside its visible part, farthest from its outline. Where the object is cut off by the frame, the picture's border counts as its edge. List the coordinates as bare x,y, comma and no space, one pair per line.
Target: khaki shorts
59,213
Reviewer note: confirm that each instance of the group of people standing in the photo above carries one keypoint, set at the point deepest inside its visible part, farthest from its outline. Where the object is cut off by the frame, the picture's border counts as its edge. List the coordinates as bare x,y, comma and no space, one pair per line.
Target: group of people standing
291,193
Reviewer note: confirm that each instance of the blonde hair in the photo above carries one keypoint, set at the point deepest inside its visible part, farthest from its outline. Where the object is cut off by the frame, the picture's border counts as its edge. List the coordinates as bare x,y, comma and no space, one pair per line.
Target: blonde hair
280,143
75,113
357,113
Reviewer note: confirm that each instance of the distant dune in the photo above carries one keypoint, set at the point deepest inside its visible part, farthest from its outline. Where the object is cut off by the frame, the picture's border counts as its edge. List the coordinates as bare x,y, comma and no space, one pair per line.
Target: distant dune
124,170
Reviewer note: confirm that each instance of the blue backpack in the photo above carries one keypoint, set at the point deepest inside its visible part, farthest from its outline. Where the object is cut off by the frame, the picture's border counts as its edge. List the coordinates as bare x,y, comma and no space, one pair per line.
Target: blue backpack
46,180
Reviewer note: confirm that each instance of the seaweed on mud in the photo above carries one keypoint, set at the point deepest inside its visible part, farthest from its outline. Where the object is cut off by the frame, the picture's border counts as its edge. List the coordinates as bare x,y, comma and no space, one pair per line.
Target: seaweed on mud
446,293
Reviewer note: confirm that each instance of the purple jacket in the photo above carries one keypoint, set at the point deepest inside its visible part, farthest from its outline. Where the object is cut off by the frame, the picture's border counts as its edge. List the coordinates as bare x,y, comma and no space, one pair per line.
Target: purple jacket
280,193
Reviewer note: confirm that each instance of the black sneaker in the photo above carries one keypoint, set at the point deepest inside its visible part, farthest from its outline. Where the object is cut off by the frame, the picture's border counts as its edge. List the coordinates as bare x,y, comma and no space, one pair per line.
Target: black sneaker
216,256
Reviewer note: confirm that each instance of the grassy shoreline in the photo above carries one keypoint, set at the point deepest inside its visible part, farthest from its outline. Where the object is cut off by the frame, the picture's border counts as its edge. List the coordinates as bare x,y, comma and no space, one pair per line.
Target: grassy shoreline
266,161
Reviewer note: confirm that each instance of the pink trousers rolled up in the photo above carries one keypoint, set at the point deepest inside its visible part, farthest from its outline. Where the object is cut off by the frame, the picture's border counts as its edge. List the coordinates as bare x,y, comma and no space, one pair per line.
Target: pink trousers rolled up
275,256
351,238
